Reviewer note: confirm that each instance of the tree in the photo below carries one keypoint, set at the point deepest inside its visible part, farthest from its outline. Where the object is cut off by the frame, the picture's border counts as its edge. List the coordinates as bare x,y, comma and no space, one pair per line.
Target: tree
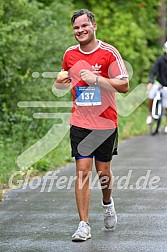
31,41
33,36
162,12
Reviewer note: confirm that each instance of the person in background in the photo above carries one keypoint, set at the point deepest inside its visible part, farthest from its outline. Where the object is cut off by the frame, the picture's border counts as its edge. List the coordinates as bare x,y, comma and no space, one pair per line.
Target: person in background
158,76
95,71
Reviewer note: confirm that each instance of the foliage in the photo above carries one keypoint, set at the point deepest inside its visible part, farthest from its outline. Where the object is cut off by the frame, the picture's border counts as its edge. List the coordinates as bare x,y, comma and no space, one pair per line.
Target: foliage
31,41
33,36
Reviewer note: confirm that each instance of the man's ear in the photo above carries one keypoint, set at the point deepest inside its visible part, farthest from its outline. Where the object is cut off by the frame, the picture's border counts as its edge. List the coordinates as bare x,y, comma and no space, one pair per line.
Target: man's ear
95,26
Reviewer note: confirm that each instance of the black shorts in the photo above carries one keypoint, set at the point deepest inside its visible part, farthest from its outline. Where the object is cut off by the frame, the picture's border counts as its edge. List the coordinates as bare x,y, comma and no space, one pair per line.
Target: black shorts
102,144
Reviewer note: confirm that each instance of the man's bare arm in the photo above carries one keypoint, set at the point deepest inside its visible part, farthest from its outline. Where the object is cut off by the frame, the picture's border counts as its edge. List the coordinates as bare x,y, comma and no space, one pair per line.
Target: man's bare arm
113,84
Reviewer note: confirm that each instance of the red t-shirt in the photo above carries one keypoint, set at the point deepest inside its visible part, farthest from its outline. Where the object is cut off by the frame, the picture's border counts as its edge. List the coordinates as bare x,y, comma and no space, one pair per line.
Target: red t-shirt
106,61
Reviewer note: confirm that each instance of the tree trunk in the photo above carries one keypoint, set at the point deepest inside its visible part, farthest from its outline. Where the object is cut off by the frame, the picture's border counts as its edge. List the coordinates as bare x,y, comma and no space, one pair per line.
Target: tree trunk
162,11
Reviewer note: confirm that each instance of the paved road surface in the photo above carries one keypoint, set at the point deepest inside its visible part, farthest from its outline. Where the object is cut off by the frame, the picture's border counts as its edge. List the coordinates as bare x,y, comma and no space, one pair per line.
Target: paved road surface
35,221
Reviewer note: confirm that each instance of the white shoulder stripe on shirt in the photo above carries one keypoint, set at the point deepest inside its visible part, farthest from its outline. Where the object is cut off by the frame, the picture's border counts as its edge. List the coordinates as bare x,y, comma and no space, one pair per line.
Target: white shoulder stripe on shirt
72,48
115,52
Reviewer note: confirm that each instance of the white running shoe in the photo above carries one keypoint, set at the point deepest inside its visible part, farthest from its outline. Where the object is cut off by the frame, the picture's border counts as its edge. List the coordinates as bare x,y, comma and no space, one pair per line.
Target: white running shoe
165,130
110,217
83,232
149,119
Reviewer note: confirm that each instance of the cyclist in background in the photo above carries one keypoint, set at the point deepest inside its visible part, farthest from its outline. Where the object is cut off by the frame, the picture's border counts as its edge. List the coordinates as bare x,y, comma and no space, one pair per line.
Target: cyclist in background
159,73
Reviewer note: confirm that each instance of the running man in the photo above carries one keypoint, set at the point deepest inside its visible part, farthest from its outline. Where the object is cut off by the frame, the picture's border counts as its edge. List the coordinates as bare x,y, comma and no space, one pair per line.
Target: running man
95,71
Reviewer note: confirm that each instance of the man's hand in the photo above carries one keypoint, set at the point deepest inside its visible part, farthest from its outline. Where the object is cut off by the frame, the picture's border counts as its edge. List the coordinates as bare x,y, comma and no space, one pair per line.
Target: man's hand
88,76
149,85
63,81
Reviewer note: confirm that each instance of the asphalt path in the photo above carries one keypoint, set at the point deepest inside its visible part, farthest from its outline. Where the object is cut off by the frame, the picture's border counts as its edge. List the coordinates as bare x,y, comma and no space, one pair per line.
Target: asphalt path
41,216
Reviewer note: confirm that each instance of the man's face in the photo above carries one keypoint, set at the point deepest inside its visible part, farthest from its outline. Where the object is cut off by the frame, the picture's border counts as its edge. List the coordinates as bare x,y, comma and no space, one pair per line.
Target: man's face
84,30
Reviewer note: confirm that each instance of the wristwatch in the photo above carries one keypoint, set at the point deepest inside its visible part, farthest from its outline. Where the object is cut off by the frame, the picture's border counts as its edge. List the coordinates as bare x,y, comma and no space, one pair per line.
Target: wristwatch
97,79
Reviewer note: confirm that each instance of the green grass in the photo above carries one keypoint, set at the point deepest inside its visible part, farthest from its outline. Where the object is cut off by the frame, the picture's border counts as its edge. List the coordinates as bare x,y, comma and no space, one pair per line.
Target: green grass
134,124
60,156
1,196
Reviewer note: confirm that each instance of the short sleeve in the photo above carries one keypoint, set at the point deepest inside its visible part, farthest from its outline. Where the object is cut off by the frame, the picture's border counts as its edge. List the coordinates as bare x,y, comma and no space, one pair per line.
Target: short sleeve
117,67
64,63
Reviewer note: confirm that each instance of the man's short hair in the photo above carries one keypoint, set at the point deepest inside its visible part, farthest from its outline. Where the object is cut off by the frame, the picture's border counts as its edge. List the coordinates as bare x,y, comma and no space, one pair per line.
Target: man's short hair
81,12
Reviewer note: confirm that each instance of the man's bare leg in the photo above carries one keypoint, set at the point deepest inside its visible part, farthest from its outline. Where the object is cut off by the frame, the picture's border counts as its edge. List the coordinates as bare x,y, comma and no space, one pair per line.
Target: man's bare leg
149,117
105,176
82,189
150,102
165,130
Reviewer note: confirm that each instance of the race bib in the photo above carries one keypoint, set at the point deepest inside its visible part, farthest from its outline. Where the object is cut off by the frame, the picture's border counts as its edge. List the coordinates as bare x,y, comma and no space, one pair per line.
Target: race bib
88,96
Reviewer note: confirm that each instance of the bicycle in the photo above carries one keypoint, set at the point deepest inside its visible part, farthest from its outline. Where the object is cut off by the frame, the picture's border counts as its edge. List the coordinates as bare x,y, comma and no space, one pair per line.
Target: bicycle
157,111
